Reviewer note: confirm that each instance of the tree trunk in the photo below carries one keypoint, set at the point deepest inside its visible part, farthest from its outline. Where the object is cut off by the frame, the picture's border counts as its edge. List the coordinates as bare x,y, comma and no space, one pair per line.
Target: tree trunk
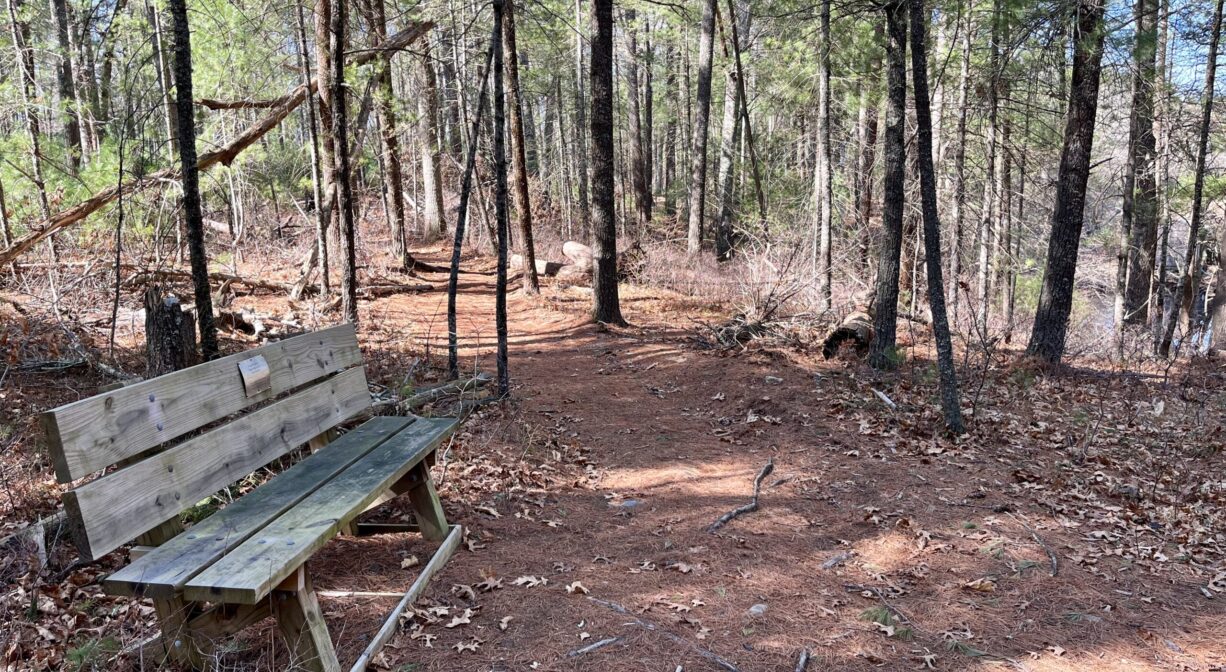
1143,229
25,63
702,114
606,306
341,169
1191,267
193,216
161,64
648,125
453,356
668,176
959,206
637,158
825,174
950,405
170,334
581,146
500,198
393,181
324,72
730,137
317,178
882,353
69,107
867,146
987,221
427,130
1048,334
519,157
6,227
1157,290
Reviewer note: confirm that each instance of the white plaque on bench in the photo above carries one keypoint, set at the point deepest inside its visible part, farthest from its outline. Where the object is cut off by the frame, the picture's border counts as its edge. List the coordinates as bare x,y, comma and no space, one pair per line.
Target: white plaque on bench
256,375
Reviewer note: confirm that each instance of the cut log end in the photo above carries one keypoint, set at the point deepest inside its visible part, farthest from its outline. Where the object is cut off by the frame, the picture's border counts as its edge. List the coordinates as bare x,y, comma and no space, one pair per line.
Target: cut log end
857,328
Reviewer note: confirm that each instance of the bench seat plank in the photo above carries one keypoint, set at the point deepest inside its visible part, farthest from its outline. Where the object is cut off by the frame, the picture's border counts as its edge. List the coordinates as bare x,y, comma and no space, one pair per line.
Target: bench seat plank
118,506
163,571
92,434
248,573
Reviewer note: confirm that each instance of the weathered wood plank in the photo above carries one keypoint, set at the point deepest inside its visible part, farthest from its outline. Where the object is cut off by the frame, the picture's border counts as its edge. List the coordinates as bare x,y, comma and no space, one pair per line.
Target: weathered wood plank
303,627
427,506
247,573
113,509
390,625
174,614
97,432
163,571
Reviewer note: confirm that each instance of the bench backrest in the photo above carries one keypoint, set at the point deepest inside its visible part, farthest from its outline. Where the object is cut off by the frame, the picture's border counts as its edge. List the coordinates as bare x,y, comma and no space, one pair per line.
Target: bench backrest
149,429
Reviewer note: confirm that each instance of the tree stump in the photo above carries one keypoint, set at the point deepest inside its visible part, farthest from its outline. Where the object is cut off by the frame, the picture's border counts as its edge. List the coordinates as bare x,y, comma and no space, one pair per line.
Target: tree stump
170,334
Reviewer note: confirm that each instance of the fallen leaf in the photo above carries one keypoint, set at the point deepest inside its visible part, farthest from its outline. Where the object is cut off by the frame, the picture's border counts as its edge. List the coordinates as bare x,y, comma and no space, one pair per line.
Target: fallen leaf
531,581
468,646
463,619
489,584
983,585
577,587
504,622
410,561
463,591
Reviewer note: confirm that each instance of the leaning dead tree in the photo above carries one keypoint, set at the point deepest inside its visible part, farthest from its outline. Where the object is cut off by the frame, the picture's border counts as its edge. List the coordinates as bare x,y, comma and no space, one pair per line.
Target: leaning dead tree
224,155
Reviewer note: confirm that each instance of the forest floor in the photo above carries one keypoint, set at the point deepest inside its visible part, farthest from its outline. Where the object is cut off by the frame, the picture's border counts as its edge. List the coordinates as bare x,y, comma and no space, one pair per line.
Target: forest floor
1079,525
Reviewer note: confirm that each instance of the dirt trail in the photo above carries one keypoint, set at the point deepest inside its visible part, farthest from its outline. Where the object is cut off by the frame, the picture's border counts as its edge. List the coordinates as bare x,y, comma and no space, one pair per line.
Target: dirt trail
621,447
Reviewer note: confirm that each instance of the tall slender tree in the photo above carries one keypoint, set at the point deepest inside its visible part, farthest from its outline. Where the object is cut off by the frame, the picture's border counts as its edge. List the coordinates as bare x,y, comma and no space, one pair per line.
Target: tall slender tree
606,306
824,192
1047,336
581,163
431,150
950,404
69,104
701,122
1141,185
519,142
393,179
193,215
959,177
500,197
1189,279
730,139
885,317
639,150
341,169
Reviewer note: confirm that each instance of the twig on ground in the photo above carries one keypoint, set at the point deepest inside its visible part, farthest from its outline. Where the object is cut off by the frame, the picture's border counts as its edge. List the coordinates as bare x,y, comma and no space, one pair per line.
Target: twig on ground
1051,555
593,646
752,505
648,625
803,663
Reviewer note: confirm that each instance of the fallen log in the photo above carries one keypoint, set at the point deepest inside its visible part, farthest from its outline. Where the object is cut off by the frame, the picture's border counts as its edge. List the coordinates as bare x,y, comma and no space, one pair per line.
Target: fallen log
375,291
139,274
857,328
226,154
214,104
423,398
549,268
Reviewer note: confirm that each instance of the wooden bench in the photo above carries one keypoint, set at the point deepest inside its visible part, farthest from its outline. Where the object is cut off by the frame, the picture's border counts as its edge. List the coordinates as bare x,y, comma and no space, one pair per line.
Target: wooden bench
181,437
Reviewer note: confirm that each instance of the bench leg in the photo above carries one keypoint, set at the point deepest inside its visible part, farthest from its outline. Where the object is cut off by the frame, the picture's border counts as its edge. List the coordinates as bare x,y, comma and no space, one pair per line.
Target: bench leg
174,613
426,505
302,625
